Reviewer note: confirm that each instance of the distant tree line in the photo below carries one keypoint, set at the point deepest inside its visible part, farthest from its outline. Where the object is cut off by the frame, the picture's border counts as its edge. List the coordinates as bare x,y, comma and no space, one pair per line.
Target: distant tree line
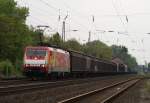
95,48
122,53
15,35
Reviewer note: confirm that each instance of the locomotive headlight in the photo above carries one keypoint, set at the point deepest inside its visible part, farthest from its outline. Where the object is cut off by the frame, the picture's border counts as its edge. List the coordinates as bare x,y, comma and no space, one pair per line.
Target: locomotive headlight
27,65
42,65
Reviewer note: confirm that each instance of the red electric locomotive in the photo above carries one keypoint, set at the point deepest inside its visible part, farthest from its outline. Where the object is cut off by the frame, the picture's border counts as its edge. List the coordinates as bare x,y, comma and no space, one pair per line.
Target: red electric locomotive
46,60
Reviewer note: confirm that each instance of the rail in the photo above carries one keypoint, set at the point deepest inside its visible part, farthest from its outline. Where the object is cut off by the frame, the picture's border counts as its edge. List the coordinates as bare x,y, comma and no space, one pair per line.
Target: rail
94,92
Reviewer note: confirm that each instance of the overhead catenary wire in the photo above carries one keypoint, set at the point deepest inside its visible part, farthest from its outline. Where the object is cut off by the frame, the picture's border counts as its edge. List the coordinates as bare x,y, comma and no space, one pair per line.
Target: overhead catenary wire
142,40
56,9
118,15
82,25
59,9
78,14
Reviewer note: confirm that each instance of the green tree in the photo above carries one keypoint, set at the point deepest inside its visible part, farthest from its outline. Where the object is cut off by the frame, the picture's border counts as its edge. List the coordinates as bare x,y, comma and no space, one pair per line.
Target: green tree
73,44
98,49
14,33
6,68
55,40
148,65
122,53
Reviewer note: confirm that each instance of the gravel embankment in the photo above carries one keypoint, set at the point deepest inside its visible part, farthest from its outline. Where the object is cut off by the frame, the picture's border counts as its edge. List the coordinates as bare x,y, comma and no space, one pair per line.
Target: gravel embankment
53,95
136,94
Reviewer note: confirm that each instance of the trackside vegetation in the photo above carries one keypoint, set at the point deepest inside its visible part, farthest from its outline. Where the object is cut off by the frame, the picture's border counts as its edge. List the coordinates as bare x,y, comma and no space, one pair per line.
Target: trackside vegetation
15,35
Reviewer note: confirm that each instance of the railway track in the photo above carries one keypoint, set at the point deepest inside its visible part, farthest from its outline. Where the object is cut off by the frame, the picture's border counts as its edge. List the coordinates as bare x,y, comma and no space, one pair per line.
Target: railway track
102,95
12,82
24,87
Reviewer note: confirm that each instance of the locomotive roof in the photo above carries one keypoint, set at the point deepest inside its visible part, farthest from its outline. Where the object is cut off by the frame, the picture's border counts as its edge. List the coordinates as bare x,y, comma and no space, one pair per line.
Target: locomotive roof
50,48
58,50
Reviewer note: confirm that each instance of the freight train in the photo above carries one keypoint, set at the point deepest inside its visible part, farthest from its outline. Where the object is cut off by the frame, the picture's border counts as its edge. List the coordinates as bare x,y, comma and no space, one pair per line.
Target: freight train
56,62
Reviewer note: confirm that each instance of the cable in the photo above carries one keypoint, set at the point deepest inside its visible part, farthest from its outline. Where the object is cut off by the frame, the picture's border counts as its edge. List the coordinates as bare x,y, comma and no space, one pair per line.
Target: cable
34,9
67,6
49,5
118,15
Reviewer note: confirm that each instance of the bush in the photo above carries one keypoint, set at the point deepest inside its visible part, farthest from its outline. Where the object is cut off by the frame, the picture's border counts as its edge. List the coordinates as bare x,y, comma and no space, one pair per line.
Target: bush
18,67
147,86
6,68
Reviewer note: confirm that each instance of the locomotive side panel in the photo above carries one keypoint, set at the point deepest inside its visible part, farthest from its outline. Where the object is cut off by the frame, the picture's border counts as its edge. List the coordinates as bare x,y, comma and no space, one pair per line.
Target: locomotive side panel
59,61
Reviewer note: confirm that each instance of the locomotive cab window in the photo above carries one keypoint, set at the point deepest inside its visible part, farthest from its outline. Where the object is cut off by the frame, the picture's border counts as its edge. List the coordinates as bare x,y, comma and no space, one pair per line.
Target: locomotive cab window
32,52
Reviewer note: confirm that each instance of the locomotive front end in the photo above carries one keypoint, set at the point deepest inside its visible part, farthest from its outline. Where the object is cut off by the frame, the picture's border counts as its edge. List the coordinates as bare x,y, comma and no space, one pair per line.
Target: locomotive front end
35,61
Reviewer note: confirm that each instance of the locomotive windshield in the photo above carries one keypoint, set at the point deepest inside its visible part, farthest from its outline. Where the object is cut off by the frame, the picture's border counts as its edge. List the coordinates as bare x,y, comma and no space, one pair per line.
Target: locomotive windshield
33,52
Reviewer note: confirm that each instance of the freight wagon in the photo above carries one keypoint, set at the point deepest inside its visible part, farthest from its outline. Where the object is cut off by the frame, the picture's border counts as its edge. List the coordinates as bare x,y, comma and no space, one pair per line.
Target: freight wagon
83,64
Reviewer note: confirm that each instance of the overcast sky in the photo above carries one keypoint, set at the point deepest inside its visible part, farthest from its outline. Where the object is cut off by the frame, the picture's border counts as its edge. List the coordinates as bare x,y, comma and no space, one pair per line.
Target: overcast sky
129,19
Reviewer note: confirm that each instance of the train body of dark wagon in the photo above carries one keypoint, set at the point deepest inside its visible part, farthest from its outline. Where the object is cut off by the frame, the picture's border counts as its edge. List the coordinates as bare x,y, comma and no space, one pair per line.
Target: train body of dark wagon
84,64
50,61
